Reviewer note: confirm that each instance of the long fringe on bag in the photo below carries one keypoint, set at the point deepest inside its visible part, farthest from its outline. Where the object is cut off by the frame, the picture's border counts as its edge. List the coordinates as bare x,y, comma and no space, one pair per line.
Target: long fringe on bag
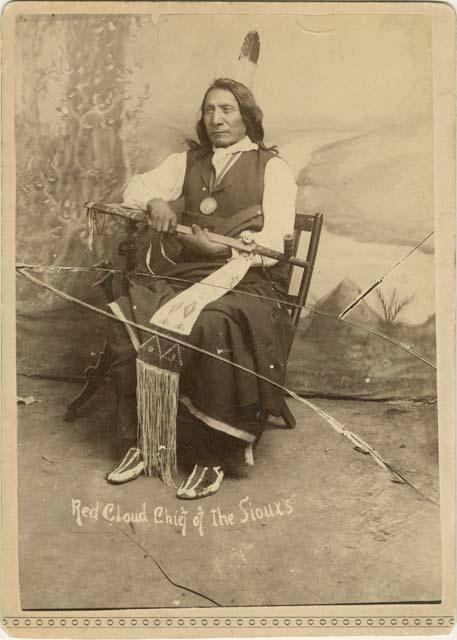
157,401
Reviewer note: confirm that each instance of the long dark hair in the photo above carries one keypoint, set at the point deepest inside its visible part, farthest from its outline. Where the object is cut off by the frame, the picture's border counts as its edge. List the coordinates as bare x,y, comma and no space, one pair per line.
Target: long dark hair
250,112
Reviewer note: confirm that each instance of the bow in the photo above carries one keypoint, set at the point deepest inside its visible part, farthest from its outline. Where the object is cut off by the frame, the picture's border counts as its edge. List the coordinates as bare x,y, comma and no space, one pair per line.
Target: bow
358,442
111,270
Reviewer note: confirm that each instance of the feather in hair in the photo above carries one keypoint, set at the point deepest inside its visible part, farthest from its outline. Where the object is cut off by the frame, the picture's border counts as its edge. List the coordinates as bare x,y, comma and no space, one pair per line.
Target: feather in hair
248,58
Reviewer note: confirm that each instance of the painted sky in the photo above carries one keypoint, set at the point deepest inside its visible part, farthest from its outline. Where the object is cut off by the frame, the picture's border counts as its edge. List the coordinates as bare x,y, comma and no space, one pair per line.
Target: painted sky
338,72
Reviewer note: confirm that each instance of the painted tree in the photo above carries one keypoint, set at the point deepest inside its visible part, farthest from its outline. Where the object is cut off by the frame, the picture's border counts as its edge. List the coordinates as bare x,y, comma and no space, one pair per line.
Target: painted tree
77,152
391,306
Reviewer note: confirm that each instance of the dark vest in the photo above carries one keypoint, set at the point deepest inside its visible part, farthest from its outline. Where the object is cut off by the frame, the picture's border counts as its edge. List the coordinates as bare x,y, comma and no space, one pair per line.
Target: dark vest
240,189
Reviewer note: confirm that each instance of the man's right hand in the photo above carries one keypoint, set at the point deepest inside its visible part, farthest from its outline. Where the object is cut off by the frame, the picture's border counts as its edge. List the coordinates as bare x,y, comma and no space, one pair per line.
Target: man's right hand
163,218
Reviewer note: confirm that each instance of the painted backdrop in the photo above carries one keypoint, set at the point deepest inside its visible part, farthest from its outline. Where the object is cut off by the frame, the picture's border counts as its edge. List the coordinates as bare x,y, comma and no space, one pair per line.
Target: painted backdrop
348,100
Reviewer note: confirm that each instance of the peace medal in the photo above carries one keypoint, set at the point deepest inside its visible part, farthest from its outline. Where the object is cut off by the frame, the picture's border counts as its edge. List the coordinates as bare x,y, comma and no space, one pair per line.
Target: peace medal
208,206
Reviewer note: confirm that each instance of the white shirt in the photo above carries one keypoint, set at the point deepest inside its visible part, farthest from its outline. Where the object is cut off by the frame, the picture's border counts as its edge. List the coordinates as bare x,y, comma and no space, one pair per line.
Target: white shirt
166,182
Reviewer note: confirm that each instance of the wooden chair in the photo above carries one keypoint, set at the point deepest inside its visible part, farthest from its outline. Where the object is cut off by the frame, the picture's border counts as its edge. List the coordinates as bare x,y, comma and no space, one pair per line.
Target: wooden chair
311,224
96,375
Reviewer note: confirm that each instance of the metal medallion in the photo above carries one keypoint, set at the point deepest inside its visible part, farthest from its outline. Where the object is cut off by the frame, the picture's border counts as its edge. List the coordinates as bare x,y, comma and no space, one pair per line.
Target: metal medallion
208,206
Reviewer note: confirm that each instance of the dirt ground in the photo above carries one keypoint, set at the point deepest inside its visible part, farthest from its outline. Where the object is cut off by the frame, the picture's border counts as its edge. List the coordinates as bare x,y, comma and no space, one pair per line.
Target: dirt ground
314,522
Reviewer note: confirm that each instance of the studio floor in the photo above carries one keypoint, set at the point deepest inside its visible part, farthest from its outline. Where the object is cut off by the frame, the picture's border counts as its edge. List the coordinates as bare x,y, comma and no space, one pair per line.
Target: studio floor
313,522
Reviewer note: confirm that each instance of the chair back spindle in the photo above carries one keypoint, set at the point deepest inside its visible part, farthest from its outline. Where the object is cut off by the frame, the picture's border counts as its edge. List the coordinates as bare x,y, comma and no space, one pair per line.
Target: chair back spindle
313,225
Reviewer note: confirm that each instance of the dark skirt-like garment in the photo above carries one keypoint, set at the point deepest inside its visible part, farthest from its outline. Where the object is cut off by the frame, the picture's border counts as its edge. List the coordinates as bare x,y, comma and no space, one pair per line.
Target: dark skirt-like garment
247,326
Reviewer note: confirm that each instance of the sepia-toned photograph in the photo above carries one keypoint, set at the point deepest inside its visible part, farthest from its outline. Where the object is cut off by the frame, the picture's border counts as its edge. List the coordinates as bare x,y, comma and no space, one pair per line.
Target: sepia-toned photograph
226,316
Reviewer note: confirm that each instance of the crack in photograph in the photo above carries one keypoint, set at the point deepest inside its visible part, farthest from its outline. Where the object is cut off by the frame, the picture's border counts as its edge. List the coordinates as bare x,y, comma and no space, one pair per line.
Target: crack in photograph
225,285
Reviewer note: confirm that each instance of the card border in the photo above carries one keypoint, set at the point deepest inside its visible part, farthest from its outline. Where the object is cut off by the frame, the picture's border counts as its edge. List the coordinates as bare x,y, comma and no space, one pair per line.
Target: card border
315,620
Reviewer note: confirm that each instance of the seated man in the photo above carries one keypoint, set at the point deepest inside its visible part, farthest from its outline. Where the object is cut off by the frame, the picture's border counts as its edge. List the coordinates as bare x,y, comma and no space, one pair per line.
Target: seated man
230,181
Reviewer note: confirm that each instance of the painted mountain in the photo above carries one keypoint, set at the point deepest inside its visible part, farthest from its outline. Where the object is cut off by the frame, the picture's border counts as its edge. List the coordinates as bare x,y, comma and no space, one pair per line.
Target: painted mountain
376,185
335,358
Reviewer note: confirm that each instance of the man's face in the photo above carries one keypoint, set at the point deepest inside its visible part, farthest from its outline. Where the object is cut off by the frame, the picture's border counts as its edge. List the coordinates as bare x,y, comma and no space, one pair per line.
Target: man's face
222,118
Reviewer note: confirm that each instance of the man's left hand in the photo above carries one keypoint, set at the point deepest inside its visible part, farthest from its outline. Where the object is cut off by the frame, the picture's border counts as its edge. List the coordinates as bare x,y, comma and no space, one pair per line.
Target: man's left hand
200,242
